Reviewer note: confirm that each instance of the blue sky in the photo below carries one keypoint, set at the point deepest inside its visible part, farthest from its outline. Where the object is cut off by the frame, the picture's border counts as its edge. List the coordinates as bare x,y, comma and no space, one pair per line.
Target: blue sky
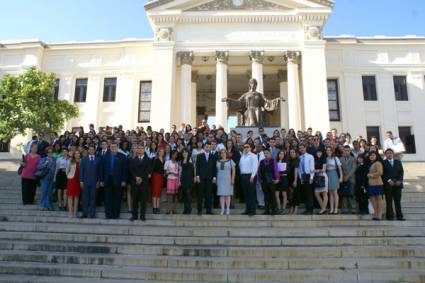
86,20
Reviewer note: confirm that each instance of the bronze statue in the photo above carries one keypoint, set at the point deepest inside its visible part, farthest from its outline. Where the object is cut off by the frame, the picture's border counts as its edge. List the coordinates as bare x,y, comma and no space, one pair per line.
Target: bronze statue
252,106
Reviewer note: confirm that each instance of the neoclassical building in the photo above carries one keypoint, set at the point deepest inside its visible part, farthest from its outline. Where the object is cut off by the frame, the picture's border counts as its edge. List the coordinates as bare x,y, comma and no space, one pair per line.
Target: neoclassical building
207,50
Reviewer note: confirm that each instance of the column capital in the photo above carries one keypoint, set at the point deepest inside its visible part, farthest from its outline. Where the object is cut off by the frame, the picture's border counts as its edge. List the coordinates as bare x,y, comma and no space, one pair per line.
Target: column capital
257,56
291,56
222,56
186,57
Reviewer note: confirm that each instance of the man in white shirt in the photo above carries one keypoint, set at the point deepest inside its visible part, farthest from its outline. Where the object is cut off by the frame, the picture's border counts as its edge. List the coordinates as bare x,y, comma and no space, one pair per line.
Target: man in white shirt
27,147
306,174
248,166
395,144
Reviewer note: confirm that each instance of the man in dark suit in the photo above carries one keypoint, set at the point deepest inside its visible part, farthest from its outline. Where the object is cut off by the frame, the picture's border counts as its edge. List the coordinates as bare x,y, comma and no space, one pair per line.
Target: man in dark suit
89,182
42,144
393,180
102,152
140,170
113,178
206,172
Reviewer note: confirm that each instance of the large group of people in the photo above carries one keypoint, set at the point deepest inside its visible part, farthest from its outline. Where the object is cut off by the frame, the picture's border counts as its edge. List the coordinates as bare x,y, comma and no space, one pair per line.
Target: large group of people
276,173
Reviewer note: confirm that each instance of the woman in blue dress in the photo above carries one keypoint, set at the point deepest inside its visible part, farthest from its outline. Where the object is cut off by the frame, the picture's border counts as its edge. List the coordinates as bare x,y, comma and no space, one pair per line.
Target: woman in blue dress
225,179
334,172
48,164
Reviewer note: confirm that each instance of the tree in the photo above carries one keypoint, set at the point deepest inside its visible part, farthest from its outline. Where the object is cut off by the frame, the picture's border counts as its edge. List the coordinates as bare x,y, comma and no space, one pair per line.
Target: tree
27,102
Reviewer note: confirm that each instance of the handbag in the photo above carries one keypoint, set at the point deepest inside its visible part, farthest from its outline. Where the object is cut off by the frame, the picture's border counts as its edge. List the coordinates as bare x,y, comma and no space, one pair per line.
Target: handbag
21,167
40,174
320,181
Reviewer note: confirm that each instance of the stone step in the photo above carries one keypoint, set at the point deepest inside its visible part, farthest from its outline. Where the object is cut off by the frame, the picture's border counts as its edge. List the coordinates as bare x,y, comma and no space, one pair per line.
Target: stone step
197,275
185,262
4,278
234,215
213,241
217,251
220,222
144,229
407,209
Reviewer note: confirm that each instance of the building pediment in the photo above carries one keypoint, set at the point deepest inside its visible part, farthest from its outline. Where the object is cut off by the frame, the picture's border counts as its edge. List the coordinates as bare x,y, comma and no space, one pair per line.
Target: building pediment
171,12
231,5
224,5
165,15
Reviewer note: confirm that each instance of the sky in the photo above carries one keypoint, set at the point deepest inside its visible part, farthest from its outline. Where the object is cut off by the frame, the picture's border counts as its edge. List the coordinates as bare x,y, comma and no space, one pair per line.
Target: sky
89,20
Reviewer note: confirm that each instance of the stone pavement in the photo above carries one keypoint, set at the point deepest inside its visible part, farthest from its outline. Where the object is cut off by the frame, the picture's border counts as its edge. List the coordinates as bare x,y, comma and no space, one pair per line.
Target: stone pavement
38,246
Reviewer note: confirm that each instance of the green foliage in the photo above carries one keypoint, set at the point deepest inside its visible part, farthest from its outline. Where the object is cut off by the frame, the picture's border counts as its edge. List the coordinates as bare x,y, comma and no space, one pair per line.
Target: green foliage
27,102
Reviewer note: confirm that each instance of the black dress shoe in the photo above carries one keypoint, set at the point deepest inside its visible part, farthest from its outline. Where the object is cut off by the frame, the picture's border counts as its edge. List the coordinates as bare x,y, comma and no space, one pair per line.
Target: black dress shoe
199,213
132,218
244,213
401,219
143,218
308,213
389,218
266,213
83,216
209,213
251,214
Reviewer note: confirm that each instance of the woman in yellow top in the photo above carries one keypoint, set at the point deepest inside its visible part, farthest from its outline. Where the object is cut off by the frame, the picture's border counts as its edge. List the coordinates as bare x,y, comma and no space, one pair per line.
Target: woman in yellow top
375,189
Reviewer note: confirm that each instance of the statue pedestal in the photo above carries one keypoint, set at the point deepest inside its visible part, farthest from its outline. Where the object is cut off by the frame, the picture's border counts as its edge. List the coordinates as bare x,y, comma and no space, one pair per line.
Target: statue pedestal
244,131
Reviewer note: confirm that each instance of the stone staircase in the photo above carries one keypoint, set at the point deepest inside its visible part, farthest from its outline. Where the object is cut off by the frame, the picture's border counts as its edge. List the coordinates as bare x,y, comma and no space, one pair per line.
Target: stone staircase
46,246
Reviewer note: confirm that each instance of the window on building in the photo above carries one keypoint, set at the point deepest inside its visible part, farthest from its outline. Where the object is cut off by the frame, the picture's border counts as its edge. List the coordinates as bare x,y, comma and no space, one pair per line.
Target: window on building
405,134
373,131
145,95
56,90
109,89
369,88
334,113
400,88
80,90
4,146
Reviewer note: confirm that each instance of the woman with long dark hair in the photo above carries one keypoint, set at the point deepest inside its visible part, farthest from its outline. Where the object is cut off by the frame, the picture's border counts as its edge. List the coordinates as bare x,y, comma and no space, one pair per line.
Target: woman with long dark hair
157,180
186,180
321,181
292,172
73,189
281,166
375,188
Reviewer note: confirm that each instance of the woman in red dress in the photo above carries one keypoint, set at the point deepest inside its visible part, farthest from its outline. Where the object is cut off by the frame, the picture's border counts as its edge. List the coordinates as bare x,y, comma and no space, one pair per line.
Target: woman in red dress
157,181
73,189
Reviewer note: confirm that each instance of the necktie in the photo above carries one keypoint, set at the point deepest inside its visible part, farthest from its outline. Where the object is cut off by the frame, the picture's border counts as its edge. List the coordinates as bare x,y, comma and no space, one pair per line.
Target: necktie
206,156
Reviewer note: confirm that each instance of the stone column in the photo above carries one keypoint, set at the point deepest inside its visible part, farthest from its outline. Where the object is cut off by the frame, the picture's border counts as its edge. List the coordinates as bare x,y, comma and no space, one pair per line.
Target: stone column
186,59
283,104
257,58
221,89
294,102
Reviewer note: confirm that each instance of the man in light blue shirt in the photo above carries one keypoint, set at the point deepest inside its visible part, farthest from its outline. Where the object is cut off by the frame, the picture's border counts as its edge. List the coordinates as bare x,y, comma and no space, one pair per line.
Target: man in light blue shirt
306,174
